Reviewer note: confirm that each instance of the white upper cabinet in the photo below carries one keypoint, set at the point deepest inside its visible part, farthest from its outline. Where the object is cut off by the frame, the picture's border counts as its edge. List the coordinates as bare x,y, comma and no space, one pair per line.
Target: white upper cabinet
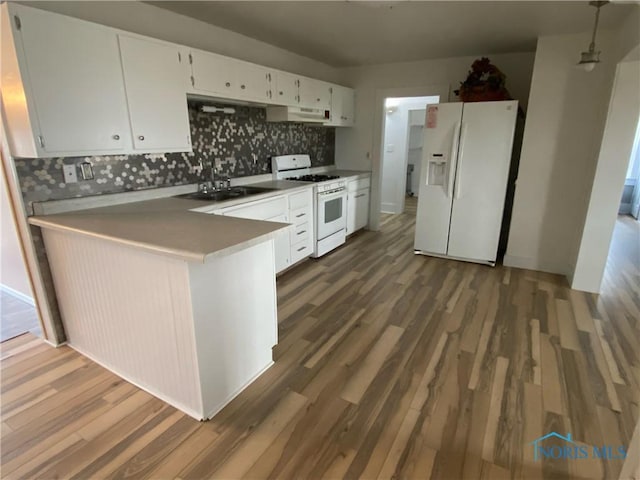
342,106
254,82
72,88
315,93
153,75
72,80
286,89
214,74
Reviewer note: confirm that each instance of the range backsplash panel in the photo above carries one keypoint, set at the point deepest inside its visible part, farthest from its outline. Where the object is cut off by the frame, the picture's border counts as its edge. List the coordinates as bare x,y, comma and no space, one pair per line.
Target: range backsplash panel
240,144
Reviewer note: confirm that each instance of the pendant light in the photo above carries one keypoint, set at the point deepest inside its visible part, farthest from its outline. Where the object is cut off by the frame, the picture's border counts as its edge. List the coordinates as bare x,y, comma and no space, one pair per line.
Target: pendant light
589,58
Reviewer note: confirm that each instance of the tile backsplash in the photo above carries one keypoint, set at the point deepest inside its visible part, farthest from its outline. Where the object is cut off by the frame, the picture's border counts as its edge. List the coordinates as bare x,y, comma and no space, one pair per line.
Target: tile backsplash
241,144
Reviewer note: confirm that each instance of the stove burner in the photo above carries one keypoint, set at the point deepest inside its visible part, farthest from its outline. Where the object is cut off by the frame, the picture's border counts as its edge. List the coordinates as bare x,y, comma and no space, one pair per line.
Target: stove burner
313,178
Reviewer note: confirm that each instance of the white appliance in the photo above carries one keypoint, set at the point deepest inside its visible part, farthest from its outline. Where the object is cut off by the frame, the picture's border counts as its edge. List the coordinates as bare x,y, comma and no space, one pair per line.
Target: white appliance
463,179
297,114
329,200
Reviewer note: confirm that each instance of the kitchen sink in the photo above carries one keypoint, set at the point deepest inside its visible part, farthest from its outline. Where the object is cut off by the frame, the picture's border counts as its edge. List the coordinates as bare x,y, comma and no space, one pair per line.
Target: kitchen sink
226,194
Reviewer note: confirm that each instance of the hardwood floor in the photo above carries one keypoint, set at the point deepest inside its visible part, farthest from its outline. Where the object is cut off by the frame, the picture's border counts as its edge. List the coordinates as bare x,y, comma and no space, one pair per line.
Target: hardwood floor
389,365
17,317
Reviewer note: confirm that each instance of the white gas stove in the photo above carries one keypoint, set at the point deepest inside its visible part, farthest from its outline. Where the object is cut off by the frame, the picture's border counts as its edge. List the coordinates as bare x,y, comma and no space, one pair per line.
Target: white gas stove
330,199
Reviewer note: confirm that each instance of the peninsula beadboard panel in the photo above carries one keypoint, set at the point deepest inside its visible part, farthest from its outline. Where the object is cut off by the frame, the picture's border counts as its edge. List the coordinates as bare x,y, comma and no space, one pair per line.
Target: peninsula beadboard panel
240,144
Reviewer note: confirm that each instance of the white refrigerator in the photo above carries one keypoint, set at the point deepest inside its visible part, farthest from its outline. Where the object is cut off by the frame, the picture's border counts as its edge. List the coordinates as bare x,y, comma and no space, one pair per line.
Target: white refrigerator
463,179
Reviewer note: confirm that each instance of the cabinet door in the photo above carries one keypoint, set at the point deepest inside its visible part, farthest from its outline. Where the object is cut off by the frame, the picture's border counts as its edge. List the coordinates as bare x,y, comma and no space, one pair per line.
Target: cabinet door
214,74
286,89
155,94
76,83
348,99
361,208
351,212
282,245
336,105
314,93
254,82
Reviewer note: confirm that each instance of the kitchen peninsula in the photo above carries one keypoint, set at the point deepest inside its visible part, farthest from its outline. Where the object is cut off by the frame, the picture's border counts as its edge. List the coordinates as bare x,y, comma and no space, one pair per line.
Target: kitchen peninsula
181,304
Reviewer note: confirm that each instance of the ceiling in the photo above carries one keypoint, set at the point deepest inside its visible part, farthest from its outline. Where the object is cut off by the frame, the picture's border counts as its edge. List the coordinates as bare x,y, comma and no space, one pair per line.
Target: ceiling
351,33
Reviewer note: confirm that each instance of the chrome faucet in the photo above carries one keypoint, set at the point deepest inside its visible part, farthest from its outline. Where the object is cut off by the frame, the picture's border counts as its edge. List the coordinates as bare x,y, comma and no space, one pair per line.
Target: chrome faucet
210,181
207,182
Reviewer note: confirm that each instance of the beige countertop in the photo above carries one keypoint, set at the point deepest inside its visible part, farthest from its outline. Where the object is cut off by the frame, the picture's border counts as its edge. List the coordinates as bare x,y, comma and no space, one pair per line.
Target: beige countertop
165,226
175,227
351,173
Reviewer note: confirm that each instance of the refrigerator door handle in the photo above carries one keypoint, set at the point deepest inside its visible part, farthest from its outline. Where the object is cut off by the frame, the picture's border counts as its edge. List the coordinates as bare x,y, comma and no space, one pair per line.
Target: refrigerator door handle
453,155
458,186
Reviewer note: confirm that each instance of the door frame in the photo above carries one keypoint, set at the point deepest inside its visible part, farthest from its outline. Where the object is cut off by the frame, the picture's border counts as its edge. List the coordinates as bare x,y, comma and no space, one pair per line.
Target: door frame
379,120
608,183
29,256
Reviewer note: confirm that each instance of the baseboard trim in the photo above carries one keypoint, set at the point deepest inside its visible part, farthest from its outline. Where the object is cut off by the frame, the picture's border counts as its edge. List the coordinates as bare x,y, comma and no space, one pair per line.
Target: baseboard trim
17,294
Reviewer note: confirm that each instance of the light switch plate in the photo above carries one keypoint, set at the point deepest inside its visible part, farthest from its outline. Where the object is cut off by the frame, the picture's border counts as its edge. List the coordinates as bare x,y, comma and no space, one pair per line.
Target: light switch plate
70,174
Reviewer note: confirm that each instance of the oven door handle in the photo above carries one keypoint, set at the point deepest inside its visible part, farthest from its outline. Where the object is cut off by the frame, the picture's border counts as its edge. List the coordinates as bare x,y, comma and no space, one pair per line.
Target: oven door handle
331,195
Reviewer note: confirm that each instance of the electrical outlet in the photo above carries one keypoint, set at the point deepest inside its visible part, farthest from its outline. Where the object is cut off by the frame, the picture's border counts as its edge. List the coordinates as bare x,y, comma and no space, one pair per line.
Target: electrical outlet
70,174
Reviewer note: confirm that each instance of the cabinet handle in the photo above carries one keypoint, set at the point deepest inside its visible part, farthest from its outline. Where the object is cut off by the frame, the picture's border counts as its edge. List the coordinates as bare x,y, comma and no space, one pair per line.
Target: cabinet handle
300,215
281,93
361,195
317,99
227,84
301,232
140,137
269,77
242,87
301,249
116,137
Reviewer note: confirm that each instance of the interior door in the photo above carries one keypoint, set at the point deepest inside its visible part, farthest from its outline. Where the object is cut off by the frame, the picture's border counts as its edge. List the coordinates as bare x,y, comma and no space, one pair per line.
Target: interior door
486,140
439,156
155,93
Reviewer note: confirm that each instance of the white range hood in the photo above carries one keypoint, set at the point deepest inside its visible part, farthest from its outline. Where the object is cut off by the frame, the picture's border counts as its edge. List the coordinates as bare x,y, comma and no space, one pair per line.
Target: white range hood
297,114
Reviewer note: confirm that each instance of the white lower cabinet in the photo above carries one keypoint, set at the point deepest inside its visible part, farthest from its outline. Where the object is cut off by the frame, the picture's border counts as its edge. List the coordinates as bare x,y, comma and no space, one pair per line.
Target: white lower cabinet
301,216
357,204
292,245
273,209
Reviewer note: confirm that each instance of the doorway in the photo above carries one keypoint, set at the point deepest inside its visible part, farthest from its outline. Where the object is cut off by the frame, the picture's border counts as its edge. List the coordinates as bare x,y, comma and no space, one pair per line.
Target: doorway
402,151
17,309
618,148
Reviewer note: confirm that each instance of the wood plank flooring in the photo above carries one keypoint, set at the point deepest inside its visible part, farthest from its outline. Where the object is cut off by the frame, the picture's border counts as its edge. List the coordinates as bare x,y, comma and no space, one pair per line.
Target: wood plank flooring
389,365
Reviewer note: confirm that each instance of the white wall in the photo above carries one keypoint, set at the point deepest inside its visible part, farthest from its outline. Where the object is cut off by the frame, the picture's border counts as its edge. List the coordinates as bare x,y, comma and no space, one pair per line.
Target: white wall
565,120
146,19
13,273
395,158
354,146
616,149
